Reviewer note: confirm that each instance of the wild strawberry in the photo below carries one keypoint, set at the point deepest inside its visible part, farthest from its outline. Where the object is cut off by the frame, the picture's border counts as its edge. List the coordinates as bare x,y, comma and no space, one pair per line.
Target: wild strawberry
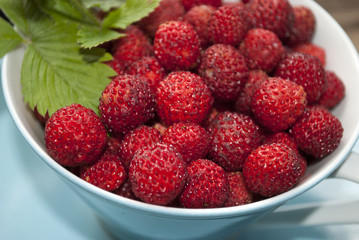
217,108
303,27
74,135
272,169
306,71
227,25
312,49
334,91
107,173
41,118
234,136
281,137
243,103
167,10
176,45
140,137
190,140
262,49
317,132
157,174
207,185
198,17
274,15
189,4
287,139
125,103
113,144
277,103
149,69
224,70
132,47
117,65
183,97
125,190
238,191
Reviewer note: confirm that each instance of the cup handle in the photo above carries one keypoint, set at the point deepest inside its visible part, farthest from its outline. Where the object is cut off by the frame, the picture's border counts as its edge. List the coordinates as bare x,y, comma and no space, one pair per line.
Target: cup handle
349,170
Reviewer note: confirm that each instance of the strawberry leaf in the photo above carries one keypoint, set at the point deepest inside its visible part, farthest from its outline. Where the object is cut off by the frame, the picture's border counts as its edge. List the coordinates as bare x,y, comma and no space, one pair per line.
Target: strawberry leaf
55,71
73,10
103,5
9,39
126,13
129,12
92,36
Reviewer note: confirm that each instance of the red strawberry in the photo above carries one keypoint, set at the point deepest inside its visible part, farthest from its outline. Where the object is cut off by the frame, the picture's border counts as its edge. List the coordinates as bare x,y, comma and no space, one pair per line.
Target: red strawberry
183,97
113,144
140,137
281,137
158,174
243,103
224,70
149,69
238,192
198,17
190,139
117,65
125,190
234,136
272,169
303,26
176,45
218,107
227,25
274,15
74,135
132,47
207,185
167,10
125,103
107,173
189,4
287,139
277,103
262,49
334,91
42,119
318,132
306,71
312,49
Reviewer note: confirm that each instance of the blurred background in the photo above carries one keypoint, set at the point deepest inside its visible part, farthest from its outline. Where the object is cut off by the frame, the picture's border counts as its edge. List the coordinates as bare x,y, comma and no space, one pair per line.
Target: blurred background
346,12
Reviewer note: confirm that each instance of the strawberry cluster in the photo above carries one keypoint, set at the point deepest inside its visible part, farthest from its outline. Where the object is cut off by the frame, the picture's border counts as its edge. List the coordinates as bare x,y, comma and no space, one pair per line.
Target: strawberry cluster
214,105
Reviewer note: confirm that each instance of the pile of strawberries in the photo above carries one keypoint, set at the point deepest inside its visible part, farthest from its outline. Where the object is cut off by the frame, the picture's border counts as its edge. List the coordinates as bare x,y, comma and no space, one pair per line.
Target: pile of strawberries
214,105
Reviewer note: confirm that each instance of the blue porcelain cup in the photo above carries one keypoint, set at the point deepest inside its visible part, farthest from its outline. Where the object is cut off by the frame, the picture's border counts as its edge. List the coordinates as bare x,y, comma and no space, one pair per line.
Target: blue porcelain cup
128,219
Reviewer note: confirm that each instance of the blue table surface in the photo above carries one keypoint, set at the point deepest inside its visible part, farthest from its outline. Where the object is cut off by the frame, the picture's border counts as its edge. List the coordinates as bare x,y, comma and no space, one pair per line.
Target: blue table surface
36,204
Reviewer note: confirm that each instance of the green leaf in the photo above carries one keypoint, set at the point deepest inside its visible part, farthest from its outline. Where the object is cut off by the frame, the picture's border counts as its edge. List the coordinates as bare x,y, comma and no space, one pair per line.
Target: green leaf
54,73
17,11
128,13
104,5
50,82
9,39
91,55
73,10
92,36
